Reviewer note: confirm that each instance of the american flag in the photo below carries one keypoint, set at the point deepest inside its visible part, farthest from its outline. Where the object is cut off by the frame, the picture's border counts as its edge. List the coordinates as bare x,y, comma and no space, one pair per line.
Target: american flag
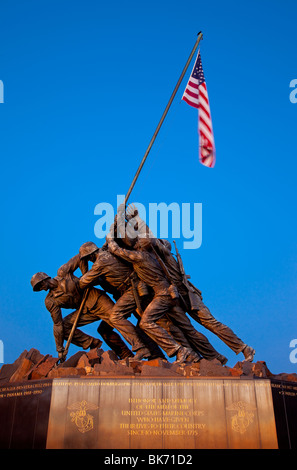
196,95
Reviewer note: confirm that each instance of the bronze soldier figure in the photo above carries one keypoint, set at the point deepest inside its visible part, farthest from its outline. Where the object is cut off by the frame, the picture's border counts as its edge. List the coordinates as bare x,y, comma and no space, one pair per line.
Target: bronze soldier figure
128,291
64,292
200,312
148,270
191,337
115,277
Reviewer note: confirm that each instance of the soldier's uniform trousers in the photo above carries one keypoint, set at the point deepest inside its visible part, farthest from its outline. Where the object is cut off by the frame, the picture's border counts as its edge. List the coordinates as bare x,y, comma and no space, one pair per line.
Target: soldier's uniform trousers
206,319
100,311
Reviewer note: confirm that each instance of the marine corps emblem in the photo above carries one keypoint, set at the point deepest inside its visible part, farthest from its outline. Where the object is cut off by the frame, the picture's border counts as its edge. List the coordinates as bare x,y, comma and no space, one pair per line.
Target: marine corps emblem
244,416
79,416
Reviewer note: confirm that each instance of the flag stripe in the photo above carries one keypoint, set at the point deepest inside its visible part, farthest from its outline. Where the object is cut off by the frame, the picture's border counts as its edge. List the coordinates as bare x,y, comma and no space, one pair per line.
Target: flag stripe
203,111
191,93
205,123
195,105
191,102
204,131
193,83
207,161
203,90
192,89
204,104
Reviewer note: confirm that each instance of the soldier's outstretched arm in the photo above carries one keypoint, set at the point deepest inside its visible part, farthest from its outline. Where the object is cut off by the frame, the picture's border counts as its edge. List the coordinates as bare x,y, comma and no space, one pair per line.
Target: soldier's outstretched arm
128,255
92,277
72,265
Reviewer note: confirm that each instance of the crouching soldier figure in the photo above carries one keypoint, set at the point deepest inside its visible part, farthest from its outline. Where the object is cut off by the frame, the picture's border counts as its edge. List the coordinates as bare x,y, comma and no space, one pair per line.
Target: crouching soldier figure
64,292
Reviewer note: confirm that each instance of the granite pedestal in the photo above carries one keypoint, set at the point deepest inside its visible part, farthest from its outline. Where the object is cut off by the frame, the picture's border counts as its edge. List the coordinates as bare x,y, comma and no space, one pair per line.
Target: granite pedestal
148,413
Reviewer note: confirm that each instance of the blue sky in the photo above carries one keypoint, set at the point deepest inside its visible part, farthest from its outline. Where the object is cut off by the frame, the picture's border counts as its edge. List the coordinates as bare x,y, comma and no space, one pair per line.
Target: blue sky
85,84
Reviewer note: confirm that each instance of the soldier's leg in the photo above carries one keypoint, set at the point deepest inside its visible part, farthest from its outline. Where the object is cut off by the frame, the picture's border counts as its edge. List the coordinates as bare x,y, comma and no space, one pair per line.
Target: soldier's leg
166,323
98,312
80,338
155,351
102,310
205,318
124,306
113,340
197,340
157,308
152,346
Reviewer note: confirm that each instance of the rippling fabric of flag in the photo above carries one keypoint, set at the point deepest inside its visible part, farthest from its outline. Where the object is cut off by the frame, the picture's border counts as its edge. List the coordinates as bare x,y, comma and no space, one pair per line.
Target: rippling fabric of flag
196,95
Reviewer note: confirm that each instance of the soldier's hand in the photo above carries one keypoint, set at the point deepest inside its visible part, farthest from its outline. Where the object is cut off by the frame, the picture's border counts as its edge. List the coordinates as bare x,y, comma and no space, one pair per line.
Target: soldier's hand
131,211
121,209
109,236
61,356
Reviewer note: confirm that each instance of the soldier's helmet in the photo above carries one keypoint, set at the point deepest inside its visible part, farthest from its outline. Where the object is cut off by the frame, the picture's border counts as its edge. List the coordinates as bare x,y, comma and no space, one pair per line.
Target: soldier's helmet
37,279
87,249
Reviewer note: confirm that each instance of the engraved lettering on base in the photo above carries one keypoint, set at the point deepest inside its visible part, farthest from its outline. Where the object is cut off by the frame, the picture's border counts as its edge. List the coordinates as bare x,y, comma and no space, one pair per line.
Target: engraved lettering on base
83,420
243,418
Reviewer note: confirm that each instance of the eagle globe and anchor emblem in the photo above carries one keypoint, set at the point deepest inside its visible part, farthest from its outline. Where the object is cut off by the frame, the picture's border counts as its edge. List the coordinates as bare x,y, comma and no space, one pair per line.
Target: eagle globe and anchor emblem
243,417
83,420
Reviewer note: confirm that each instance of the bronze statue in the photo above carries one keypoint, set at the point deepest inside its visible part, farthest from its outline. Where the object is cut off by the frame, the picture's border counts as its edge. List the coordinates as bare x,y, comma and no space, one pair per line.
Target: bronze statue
145,280
114,275
148,270
196,309
184,332
132,295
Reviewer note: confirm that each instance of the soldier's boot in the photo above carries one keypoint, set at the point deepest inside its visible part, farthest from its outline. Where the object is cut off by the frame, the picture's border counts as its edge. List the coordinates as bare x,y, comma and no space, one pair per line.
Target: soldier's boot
114,341
96,343
142,353
127,355
248,353
182,354
223,360
194,357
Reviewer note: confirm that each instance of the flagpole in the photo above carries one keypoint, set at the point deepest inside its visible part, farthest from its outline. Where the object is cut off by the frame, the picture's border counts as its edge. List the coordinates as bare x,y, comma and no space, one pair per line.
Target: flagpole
200,36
